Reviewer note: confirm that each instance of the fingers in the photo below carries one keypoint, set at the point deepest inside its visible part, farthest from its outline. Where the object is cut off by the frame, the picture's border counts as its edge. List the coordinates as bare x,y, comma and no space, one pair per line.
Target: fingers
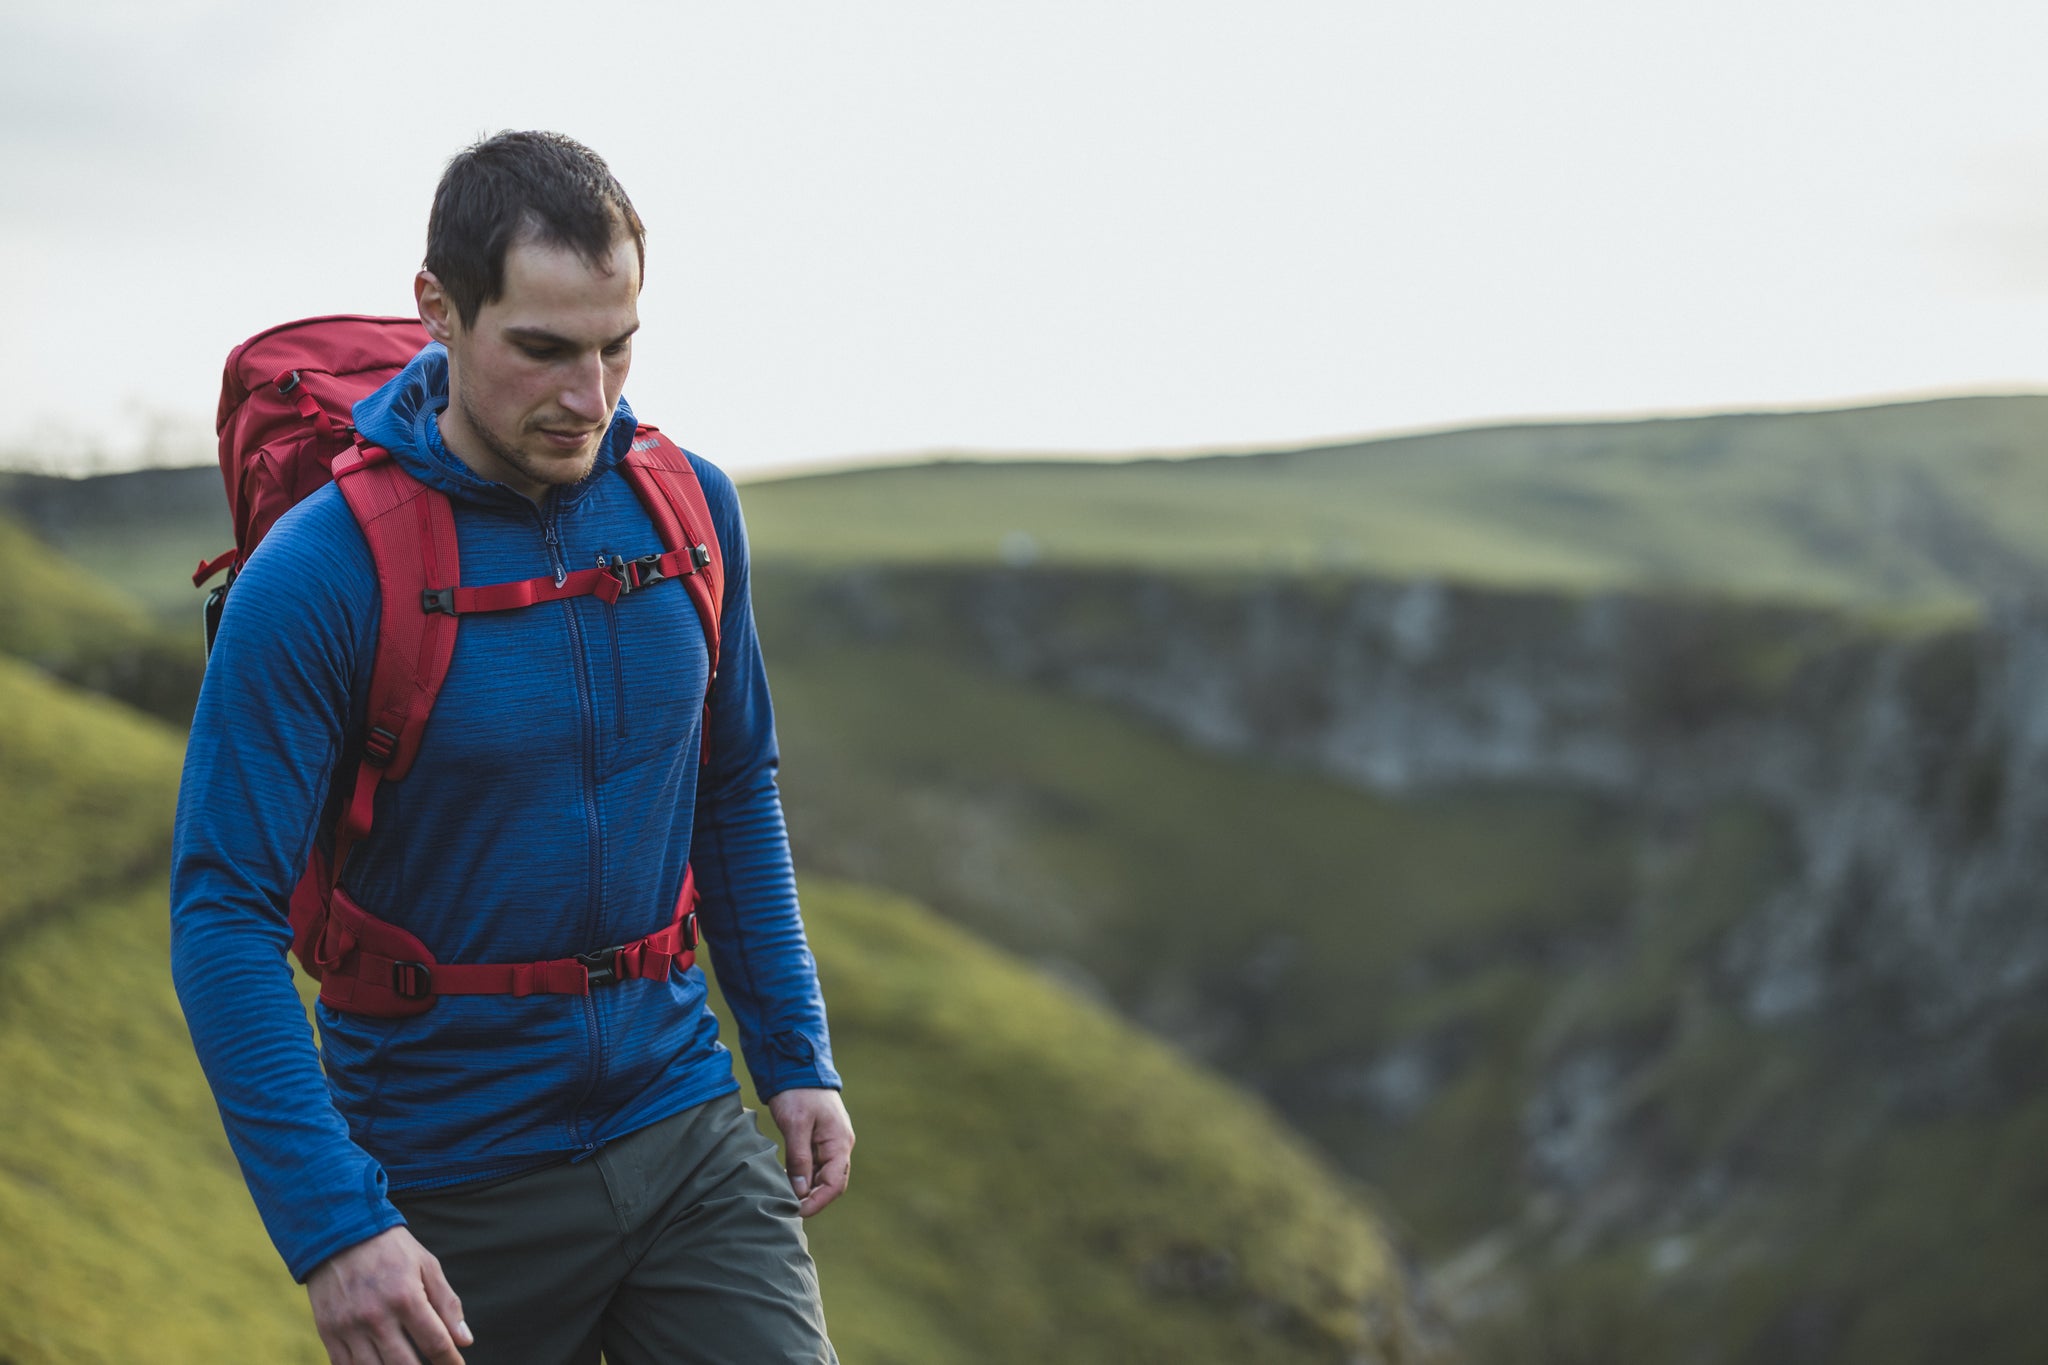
441,1295
430,1336
818,1137
796,1140
392,1348
384,1301
834,1170
338,1352
360,1350
410,1336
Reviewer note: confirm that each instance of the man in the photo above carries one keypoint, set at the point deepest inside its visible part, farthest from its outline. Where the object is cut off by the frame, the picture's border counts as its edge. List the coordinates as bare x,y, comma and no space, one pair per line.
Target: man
538,1178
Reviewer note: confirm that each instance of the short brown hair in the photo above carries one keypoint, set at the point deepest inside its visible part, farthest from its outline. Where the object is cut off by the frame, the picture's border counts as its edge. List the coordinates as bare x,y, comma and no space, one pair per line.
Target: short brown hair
529,185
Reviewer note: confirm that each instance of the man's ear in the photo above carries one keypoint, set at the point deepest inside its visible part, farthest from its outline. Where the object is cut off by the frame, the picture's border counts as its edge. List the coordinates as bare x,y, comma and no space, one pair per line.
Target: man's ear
437,310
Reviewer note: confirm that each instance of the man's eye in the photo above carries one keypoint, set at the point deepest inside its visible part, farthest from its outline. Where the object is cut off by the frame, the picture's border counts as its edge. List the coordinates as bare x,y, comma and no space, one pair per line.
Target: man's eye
617,349
539,352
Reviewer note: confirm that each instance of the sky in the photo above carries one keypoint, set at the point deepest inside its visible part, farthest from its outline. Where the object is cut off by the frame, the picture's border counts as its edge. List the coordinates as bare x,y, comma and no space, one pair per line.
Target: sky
893,228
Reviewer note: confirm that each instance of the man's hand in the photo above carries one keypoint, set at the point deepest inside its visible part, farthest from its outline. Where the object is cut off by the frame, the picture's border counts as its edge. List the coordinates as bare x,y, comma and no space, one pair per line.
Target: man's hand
385,1302
818,1139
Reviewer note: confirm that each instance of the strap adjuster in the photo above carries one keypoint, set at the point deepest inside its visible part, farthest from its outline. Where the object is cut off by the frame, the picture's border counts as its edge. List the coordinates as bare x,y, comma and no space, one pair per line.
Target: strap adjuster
378,746
643,572
602,966
689,931
438,599
412,980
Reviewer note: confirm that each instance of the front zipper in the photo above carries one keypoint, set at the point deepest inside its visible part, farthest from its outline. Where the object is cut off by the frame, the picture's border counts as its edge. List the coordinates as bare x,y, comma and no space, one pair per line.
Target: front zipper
551,533
586,703
611,618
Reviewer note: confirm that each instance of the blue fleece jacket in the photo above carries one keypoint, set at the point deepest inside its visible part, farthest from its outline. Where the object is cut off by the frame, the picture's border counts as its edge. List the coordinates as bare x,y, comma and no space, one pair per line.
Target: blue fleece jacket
555,801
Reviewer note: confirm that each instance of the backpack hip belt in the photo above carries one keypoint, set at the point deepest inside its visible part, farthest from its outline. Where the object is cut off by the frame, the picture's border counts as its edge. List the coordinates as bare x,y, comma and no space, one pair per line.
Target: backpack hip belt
370,966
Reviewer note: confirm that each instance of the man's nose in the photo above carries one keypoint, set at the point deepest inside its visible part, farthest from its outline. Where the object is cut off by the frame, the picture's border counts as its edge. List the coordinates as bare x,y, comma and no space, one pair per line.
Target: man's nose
583,394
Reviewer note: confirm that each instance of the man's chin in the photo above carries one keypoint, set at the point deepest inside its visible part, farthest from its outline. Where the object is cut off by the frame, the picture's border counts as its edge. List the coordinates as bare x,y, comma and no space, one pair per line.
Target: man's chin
553,466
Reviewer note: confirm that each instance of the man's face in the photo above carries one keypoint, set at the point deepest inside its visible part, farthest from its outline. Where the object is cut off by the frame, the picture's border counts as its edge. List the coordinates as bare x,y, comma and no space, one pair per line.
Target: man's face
533,382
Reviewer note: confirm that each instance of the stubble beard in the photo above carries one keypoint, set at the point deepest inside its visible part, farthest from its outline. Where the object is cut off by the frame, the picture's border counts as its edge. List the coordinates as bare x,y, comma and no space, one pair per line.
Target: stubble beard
547,473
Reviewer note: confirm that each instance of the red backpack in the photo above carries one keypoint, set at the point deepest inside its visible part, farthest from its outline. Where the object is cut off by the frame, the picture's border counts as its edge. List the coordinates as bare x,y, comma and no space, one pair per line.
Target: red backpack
286,407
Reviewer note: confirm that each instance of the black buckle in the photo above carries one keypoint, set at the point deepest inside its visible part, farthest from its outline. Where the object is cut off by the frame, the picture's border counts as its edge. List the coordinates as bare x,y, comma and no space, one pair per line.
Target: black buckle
700,556
438,599
413,980
689,931
643,572
602,966
378,746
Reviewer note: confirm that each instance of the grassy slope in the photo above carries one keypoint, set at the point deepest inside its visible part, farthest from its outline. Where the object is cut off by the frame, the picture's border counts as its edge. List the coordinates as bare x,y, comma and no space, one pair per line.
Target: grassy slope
89,632
125,1233
52,609
142,531
1035,1181
1000,1118
84,799
1925,505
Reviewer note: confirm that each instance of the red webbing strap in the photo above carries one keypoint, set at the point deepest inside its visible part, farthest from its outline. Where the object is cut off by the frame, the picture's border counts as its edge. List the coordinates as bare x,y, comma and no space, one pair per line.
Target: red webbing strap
374,967
599,583
651,958
607,585
410,529
209,567
660,475
306,406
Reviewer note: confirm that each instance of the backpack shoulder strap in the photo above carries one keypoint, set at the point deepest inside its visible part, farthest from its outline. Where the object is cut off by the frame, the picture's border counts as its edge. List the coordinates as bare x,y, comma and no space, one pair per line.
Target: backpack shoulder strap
411,533
660,474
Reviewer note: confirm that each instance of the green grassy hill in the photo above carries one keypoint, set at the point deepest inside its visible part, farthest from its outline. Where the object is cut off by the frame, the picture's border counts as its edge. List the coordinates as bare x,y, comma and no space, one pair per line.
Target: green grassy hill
1035,1181
58,615
1059,1187
142,531
86,789
1930,505
125,1233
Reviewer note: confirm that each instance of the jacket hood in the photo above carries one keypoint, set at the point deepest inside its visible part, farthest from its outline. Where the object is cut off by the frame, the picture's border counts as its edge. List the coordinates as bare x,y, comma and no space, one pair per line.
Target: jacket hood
404,418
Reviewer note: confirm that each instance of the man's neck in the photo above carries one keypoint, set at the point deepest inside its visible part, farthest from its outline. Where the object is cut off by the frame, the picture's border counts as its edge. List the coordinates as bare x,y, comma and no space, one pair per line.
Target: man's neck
466,445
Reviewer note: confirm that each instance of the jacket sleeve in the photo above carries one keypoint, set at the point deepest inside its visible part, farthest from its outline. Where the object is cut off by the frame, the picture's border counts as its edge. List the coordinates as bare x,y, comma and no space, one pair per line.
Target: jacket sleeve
293,650
740,846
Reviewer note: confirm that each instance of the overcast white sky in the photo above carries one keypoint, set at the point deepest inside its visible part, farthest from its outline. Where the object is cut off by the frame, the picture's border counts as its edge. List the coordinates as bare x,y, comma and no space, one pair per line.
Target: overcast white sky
894,227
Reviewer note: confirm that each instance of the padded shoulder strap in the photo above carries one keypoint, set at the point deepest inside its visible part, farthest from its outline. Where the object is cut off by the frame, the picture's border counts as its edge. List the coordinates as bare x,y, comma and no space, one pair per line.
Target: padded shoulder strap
667,486
411,533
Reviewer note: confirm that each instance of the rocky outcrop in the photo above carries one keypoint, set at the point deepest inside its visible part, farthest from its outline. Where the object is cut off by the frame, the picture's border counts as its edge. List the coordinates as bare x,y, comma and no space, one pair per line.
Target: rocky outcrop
1910,764
1882,965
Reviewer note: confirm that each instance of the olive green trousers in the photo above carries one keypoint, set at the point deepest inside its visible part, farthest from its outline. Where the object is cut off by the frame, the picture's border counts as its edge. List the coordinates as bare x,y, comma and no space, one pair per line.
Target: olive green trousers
678,1244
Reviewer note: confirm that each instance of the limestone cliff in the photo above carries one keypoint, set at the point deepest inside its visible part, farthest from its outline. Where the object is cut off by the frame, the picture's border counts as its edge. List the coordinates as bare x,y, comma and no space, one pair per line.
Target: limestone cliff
1880,970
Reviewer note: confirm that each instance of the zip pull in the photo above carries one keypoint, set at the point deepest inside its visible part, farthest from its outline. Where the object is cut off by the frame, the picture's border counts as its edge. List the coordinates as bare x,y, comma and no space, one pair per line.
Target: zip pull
554,543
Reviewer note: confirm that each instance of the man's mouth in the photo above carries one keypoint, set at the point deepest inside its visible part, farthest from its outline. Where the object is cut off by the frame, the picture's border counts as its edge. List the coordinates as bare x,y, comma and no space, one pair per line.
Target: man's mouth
567,440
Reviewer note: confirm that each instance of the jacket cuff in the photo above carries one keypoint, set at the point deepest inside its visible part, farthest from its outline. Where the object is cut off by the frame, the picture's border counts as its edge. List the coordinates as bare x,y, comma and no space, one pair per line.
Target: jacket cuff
795,1061
305,1262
